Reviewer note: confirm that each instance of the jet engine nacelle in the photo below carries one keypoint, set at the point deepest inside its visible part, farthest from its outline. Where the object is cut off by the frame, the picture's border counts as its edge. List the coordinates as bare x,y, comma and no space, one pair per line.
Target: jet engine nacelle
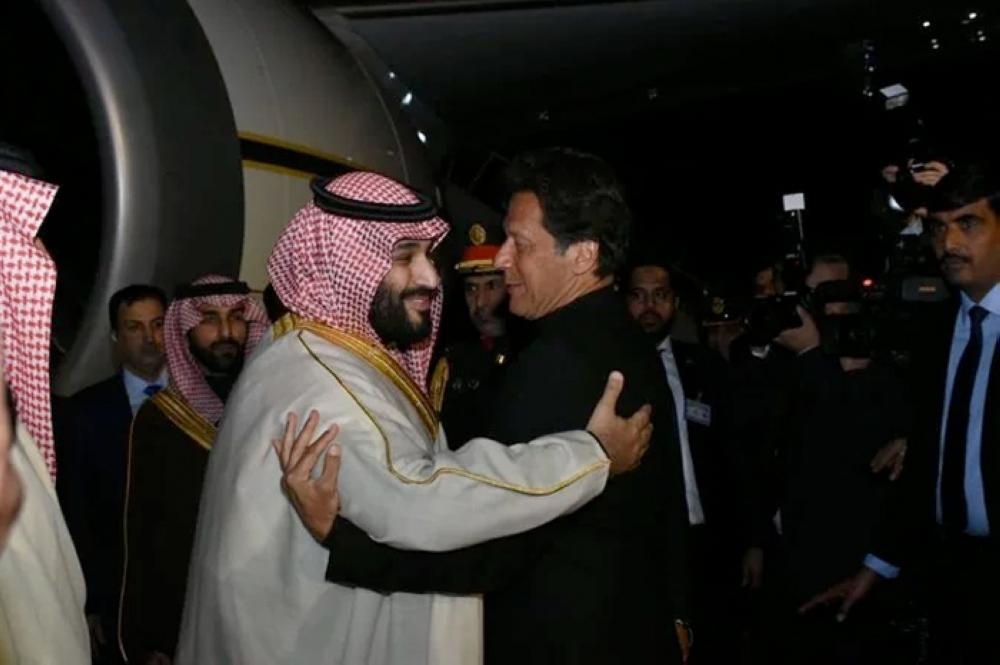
209,117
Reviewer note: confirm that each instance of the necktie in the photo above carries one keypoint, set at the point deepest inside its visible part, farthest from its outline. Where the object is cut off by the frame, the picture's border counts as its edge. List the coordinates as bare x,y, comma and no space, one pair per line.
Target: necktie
954,513
152,389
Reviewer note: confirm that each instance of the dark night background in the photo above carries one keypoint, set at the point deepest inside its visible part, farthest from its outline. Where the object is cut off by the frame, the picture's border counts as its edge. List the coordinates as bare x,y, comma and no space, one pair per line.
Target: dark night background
709,109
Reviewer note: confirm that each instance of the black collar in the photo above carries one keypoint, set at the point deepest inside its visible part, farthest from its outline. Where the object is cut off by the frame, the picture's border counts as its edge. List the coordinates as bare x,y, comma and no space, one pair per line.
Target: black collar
584,309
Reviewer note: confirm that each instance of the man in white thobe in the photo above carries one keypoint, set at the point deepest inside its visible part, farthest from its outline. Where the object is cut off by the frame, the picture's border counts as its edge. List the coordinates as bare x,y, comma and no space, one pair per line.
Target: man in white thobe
354,270
42,590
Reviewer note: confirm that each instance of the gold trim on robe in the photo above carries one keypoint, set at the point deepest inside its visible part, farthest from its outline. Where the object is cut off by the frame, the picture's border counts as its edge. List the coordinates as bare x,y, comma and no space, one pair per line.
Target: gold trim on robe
439,383
374,355
443,471
192,423
180,413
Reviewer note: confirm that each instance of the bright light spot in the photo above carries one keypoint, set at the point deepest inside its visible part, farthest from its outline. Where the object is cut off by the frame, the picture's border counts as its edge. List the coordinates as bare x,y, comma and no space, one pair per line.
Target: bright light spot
407,98
392,75
926,24
982,38
421,136
973,16
935,46
868,282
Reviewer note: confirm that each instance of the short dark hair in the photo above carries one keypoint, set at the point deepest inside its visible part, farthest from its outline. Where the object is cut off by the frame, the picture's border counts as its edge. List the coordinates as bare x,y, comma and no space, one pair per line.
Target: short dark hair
581,199
965,184
130,295
646,261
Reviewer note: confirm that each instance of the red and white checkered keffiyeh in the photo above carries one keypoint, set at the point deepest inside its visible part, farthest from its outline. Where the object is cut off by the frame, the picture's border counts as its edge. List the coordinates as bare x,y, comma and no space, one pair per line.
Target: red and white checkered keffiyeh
27,291
327,268
186,375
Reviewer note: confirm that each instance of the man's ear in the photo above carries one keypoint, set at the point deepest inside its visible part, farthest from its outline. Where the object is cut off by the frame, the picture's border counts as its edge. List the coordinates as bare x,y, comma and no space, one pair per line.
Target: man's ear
584,256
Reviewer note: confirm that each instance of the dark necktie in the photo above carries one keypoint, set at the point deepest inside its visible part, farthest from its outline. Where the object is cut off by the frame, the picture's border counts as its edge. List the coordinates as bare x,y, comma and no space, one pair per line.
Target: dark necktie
954,514
152,389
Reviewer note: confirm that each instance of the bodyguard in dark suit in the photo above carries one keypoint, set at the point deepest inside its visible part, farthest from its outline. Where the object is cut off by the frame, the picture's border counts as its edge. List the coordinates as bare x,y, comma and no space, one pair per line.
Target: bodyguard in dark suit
96,423
607,584
948,506
698,382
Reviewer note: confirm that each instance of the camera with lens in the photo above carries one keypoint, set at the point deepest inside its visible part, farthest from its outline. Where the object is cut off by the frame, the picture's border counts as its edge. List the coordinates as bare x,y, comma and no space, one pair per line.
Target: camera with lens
874,318
770,315
847,316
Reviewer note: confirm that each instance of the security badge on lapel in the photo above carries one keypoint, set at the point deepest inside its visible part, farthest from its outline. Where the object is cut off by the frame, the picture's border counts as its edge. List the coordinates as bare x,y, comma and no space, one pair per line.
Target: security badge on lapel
698,412
695,410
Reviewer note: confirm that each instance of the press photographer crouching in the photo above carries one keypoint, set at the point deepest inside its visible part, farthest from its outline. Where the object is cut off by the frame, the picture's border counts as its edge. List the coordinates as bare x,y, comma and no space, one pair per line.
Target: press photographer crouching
844,427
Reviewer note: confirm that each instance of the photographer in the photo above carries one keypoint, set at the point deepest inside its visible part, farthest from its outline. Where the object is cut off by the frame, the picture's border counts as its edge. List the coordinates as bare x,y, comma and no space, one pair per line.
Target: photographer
838,416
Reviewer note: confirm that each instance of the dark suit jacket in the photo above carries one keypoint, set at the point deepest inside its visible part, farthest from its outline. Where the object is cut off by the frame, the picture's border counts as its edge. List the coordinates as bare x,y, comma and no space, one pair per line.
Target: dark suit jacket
604,584
761,407
831,502
913,514
704,376
166,474
91,486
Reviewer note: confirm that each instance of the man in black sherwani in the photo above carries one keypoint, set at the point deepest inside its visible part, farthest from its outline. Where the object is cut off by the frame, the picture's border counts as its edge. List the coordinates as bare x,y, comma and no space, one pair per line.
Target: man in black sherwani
607,584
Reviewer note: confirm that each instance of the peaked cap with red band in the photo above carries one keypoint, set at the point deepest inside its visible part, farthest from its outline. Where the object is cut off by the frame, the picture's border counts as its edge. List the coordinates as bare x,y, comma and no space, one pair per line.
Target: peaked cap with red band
480,253
330,259
184,314
27,291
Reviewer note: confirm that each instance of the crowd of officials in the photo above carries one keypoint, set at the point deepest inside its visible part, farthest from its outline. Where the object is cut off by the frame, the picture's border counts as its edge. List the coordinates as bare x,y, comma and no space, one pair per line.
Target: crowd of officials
839,501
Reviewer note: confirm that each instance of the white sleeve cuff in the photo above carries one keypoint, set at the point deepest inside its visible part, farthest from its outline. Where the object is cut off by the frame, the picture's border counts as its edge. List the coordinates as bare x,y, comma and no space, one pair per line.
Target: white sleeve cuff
883,568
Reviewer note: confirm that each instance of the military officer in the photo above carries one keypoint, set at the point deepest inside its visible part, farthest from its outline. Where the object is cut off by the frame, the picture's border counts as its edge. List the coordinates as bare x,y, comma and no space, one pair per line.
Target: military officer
464,382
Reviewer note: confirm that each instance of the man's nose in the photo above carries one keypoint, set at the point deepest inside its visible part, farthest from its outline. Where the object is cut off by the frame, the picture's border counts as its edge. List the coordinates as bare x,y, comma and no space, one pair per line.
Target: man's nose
480,300
425,275
504,257
953,237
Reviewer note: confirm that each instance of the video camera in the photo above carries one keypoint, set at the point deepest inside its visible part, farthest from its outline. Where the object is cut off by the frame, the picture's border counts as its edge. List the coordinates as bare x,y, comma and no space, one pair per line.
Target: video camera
852,329
881,314
873,318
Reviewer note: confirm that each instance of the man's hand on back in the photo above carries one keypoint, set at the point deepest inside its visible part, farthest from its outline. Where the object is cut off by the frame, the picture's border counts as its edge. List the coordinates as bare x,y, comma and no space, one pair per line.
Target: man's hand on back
625,440
316,500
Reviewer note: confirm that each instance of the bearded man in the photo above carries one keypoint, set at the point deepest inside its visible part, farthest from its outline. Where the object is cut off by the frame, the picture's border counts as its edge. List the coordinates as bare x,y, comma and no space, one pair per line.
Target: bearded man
211,326
354,269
